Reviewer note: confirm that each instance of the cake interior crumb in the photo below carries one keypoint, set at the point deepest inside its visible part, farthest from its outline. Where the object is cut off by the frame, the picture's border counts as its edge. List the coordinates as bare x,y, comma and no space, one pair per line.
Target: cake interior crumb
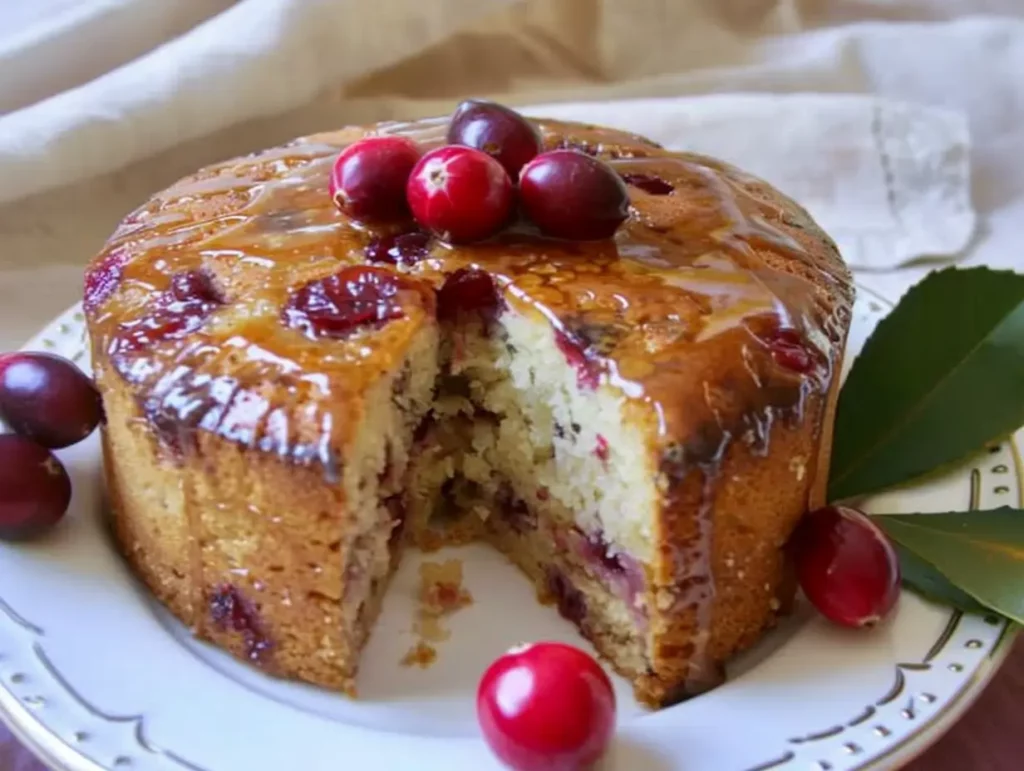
441,594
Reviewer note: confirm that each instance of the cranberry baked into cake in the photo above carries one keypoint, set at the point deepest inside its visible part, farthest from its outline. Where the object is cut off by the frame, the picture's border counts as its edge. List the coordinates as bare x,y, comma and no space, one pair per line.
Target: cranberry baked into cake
636,421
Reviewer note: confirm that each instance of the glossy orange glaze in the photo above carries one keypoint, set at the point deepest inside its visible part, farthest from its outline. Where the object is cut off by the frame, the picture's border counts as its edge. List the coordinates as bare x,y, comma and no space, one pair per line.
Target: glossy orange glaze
675,311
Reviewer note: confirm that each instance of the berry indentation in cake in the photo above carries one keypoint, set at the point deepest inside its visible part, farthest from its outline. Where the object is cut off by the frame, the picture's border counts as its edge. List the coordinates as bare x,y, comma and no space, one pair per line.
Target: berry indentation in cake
790,350
102,278
614,568
468,291
230,610
402,249
569,600
177,311
588,371
354,297
649,183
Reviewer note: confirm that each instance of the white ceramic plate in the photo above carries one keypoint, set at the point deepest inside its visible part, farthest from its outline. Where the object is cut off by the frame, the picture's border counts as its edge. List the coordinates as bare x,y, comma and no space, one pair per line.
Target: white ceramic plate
95,675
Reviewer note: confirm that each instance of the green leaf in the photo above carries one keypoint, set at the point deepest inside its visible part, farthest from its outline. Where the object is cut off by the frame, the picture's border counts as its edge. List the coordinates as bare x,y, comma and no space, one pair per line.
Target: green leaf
925,579
942,375
980,552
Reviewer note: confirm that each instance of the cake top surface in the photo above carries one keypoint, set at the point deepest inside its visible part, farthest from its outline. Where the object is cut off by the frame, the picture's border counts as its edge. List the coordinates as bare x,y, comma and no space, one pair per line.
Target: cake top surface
690,309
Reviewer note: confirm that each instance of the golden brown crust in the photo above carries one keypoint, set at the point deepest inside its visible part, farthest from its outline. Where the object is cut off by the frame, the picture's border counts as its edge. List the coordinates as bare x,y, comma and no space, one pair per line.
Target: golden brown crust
239,426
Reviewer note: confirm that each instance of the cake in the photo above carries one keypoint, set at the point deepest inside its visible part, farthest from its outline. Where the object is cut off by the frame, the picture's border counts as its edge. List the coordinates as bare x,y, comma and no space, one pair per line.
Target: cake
292,398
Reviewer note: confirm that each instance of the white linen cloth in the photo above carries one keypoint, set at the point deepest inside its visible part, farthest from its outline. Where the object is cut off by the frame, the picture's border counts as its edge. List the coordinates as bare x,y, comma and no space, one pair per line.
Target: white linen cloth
872,135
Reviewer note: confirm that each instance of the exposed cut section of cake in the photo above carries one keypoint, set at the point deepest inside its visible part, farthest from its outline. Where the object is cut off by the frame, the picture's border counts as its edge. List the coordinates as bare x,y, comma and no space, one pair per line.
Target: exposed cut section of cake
638,423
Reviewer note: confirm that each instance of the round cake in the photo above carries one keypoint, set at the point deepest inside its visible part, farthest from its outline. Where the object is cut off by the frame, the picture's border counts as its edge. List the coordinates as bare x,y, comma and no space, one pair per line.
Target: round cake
637,422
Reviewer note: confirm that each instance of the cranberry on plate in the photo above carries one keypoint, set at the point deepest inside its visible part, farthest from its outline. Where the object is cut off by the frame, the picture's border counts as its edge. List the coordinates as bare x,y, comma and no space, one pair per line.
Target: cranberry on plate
499,131
847,566
570,195
34,488
369,176
461,194
47,398
546,707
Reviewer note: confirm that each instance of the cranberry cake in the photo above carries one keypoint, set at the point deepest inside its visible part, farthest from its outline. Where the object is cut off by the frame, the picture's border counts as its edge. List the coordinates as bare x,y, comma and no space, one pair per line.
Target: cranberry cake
636,422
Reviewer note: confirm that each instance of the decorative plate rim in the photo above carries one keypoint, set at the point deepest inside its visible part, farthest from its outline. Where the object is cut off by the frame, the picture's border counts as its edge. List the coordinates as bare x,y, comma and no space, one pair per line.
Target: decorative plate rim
60,753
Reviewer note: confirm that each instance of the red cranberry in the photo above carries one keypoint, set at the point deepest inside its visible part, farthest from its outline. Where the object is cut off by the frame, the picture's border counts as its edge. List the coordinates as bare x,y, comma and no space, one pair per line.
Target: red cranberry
195,286
790,351
404,249
183,308
460,193
649,183
102,278
601,450
356,296
34,489
229,609
587,371
571,195
847,566
500,132
468,291
369,177
546,707
47,398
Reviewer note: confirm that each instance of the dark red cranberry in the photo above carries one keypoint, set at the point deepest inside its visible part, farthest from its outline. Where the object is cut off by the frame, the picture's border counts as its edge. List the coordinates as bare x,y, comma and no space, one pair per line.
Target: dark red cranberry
568,599
571,195
847,566
595,549
47,398
354,297
182,308
500,132
369,177
34,489
790,351
468,291
229,609
405,249
461,194
649,183
546,707
195,286
587,370
102,278
601,450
